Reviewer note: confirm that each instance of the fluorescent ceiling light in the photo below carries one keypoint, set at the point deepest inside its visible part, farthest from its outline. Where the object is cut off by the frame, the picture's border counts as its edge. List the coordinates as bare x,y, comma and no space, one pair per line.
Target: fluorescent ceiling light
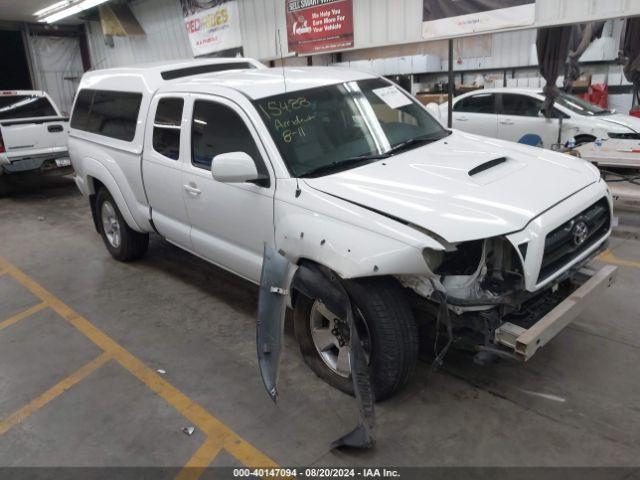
72,10
67,12
51,8
91,3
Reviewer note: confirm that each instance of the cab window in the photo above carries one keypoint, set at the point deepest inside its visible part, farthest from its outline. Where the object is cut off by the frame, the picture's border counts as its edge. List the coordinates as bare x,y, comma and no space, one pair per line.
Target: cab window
480,103
520,105
25,106
166,127
218,129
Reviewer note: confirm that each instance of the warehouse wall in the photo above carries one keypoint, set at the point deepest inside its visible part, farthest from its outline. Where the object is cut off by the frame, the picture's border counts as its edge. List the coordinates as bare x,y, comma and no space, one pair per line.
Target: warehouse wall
377,23
57,67
165,39
388,31
380,23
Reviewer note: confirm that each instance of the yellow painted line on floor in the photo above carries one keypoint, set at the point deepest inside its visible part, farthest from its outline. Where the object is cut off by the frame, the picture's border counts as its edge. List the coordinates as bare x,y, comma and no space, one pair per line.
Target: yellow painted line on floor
608,257
39,402
22,315
242,450
200,460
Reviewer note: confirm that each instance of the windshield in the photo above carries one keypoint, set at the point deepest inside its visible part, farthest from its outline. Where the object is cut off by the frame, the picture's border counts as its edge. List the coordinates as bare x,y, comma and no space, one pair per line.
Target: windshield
580,106
327,129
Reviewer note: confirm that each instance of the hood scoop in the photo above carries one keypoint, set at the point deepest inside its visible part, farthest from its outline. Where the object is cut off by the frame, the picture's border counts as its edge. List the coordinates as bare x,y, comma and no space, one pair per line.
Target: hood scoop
486,166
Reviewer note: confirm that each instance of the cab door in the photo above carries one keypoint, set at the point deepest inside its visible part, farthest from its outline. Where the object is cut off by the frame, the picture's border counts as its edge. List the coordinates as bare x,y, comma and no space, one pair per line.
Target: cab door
520,115
230,222
165,158
477,114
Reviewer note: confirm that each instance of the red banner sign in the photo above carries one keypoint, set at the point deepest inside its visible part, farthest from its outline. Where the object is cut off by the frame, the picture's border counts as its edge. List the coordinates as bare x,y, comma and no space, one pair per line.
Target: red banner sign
319,25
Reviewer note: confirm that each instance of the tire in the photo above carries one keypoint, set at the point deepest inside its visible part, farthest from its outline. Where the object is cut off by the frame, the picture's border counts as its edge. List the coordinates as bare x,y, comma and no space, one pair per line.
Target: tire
387,329
124,244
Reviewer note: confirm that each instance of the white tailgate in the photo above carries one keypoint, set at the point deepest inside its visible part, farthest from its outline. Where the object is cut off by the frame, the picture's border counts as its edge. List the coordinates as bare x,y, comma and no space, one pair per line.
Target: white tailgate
35,137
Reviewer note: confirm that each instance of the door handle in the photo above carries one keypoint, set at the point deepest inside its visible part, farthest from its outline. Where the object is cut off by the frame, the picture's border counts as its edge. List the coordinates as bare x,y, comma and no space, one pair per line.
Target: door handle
192,190
55,128
461,119
506,122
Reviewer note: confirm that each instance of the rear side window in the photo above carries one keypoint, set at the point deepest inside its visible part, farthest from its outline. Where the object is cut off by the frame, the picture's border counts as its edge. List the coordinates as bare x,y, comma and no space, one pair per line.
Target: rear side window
217,129
80,115
166,127
111,114
25,106
481,103
520,105
115,114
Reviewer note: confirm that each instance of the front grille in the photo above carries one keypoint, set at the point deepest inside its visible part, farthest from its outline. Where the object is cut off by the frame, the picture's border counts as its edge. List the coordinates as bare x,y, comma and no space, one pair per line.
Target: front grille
569,240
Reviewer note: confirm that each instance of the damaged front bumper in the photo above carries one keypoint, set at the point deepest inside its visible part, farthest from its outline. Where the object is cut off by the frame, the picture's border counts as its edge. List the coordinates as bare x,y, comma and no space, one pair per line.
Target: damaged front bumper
522,343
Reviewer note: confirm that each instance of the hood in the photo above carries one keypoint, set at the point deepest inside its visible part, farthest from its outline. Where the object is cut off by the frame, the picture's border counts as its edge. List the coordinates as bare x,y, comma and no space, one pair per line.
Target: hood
464,187
620,121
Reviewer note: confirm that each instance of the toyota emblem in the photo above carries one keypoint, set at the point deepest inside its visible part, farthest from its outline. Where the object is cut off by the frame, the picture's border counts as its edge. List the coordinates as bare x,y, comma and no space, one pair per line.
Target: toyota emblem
580,232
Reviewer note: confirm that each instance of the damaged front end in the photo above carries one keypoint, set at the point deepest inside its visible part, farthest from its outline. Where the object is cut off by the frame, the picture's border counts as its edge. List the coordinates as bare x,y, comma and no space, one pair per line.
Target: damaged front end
489,308
475,275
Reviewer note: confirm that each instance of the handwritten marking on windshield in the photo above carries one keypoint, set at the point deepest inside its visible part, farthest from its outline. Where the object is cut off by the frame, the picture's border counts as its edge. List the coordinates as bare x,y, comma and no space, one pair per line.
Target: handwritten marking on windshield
275,108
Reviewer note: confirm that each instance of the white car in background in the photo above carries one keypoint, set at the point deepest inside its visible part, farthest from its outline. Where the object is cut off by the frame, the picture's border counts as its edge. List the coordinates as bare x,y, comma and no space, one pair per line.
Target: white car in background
511,113
33,135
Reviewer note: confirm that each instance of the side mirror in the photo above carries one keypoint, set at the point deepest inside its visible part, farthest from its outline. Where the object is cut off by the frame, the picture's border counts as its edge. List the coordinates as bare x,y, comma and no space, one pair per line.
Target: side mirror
234,167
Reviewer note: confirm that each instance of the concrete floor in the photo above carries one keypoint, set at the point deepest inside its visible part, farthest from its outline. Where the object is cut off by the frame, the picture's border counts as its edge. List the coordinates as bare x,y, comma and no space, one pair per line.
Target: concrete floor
577,403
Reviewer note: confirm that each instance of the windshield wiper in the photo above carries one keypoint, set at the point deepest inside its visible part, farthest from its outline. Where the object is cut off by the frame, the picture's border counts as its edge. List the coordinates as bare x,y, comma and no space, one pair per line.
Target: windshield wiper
417,141
340,165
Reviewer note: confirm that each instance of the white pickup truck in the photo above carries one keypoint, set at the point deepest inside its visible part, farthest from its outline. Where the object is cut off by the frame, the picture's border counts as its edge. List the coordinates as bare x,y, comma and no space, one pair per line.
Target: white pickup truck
33,135
350,179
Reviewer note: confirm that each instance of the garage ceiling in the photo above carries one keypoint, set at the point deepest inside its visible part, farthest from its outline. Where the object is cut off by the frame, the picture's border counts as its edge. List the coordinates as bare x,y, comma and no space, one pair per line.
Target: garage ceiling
23,10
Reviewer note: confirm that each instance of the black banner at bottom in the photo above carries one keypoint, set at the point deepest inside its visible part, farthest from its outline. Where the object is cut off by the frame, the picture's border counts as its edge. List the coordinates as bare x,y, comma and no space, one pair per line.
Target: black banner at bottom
322,473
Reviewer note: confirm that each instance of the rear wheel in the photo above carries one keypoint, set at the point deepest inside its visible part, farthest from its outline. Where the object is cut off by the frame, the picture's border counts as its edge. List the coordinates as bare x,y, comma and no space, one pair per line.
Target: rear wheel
386,328
124,243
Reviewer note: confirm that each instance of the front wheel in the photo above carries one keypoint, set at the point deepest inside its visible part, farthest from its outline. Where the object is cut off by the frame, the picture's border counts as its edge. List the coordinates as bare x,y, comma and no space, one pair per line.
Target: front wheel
385,325
124,243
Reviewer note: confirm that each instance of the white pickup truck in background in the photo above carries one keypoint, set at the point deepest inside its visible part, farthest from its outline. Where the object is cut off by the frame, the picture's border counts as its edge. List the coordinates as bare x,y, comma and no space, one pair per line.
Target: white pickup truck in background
33,135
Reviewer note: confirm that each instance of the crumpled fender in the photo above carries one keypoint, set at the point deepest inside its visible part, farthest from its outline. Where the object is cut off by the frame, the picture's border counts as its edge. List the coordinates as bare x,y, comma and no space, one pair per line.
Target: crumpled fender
271,312
315,281
318,282
348,239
